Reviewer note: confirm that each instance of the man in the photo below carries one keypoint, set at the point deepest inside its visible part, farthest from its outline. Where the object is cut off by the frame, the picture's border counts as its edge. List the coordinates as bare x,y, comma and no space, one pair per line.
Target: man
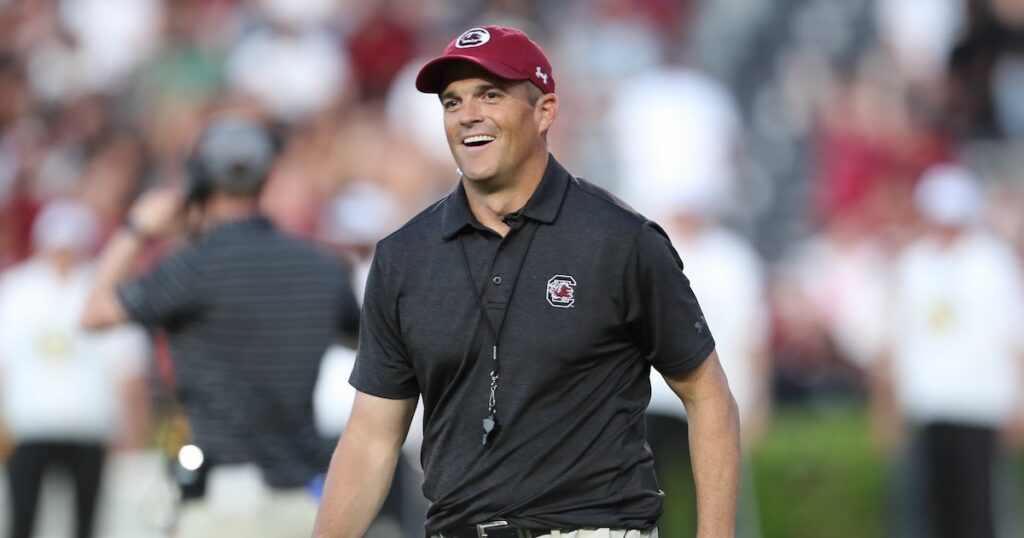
527,309
249,312
65,395
952,373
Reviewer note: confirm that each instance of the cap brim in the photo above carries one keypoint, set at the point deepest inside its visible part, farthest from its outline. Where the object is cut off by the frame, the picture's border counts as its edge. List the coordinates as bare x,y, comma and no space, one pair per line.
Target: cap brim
431,76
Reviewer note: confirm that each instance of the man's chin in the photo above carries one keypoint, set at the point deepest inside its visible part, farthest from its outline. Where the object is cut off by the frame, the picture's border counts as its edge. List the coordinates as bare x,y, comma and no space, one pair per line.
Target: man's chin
477,175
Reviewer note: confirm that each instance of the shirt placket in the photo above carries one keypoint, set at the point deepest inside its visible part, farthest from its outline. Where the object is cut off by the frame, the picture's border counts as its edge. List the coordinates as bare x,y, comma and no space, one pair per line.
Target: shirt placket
500,276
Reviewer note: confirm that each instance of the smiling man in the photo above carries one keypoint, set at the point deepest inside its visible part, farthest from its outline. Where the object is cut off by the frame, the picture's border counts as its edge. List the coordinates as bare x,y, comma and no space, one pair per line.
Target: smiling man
526,309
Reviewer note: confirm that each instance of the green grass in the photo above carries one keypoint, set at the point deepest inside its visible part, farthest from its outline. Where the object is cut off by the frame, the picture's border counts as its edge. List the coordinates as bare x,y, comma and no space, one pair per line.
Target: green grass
816,475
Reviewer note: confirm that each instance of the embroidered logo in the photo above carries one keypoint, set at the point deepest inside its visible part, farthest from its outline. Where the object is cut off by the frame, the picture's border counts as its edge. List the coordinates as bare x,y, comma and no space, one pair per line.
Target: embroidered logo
474,37
542,75
562,291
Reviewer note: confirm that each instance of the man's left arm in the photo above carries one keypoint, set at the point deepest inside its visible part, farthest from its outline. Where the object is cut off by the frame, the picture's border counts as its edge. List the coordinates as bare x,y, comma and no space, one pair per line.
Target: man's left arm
714,444
664,317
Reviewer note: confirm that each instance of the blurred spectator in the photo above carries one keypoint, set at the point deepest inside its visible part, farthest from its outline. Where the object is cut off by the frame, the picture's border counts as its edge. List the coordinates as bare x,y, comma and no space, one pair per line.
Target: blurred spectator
680,172
92,47
66,394
920,35
953,371
727,274
112,36
871,146
249,312
295,71
416,115
369,145
301,180
692,147
363,213
737,19
300,13
985,69
187,66
612,38
827,295
111,179
380,46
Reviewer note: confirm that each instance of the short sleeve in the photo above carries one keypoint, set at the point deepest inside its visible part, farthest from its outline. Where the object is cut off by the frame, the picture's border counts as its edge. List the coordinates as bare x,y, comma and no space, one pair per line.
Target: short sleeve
382,366
170,292
662,313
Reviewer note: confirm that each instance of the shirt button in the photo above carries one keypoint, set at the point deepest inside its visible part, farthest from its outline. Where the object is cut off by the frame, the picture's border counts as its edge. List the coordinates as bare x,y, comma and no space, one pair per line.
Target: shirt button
496,280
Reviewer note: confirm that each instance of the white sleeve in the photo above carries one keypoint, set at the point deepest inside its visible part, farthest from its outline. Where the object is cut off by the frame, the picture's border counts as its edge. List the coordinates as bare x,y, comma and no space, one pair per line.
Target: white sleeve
127,349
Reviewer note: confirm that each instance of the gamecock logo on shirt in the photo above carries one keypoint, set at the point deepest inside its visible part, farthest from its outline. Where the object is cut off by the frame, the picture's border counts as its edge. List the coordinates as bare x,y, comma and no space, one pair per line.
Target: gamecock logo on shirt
562,291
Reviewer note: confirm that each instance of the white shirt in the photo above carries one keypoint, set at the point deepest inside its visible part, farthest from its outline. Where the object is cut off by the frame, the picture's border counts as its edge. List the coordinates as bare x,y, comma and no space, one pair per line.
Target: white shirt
293,75
956,331
675,141
726,276
58,381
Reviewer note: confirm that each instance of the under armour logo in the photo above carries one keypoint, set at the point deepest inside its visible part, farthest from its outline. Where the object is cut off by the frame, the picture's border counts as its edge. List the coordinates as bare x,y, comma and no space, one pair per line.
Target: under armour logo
542,75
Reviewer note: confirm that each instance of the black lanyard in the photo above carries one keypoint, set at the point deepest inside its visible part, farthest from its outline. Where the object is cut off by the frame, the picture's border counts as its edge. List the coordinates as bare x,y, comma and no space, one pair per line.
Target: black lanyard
490,423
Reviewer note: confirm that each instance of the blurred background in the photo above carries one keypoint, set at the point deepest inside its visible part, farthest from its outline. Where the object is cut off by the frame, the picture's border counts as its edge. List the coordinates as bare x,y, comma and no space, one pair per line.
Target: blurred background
781,143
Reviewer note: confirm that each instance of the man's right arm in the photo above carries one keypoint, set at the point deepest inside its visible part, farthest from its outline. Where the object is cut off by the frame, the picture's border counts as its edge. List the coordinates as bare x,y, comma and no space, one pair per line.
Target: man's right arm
153,215
363,465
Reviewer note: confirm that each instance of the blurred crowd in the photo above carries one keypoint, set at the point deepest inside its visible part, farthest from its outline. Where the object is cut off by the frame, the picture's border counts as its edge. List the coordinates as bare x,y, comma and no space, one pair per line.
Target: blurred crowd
781,143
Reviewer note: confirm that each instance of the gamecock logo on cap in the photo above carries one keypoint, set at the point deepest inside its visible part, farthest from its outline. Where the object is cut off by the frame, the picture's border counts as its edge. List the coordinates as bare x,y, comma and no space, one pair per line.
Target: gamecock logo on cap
562,291
472,38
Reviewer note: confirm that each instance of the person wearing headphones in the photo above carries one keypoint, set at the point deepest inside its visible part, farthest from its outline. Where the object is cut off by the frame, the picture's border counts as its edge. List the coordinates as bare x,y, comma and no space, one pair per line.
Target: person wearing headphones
249,312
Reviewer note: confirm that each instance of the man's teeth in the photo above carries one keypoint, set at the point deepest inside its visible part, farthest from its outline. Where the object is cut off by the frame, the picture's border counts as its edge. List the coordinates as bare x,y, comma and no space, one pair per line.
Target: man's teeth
478,139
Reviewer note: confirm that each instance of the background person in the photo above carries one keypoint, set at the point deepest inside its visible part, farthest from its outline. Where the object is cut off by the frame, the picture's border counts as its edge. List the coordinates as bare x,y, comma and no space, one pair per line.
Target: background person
249,312
727,276
952,375
65,395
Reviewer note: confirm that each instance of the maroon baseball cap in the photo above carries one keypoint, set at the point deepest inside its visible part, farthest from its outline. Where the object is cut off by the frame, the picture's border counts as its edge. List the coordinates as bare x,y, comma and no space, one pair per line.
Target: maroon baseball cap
504,52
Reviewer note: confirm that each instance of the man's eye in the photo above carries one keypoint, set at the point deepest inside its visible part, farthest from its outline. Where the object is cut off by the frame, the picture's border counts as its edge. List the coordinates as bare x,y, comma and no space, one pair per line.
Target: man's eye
449,104
491,95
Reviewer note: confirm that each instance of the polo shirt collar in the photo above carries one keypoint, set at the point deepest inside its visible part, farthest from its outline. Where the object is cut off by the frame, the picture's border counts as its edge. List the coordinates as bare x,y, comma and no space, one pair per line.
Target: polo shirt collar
543,205
256,221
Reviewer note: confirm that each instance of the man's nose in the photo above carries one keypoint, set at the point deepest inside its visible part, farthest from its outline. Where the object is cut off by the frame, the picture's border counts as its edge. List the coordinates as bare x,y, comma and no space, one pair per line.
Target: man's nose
470,113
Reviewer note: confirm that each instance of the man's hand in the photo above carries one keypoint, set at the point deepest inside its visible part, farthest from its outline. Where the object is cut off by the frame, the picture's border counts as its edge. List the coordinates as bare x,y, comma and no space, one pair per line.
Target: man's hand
154,214
157,212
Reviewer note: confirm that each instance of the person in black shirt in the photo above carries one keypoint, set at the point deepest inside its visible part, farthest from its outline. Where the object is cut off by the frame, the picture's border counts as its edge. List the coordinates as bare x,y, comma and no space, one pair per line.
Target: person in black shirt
526,309
249,312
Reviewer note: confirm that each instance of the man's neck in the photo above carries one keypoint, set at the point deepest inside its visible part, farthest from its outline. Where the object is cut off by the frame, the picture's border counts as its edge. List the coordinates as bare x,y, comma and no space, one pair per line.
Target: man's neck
222,208
491,206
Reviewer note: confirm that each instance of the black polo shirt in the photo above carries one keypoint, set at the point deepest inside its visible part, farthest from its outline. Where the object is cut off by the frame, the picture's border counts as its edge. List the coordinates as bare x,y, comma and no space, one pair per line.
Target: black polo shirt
592,295
249,312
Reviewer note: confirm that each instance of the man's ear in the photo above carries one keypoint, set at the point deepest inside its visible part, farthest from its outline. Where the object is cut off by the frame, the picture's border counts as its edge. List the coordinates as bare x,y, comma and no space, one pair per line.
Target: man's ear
545,111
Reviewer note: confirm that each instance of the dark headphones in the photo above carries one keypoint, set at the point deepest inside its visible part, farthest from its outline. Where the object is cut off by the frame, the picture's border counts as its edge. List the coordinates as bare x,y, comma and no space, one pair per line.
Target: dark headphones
233,155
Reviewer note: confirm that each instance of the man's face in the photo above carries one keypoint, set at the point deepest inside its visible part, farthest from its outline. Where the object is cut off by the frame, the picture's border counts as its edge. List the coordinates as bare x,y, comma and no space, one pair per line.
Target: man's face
492,128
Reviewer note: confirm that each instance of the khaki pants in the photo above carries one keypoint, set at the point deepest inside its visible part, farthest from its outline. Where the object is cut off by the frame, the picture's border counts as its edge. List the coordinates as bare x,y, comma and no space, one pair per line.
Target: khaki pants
600,533
237,504
285,515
